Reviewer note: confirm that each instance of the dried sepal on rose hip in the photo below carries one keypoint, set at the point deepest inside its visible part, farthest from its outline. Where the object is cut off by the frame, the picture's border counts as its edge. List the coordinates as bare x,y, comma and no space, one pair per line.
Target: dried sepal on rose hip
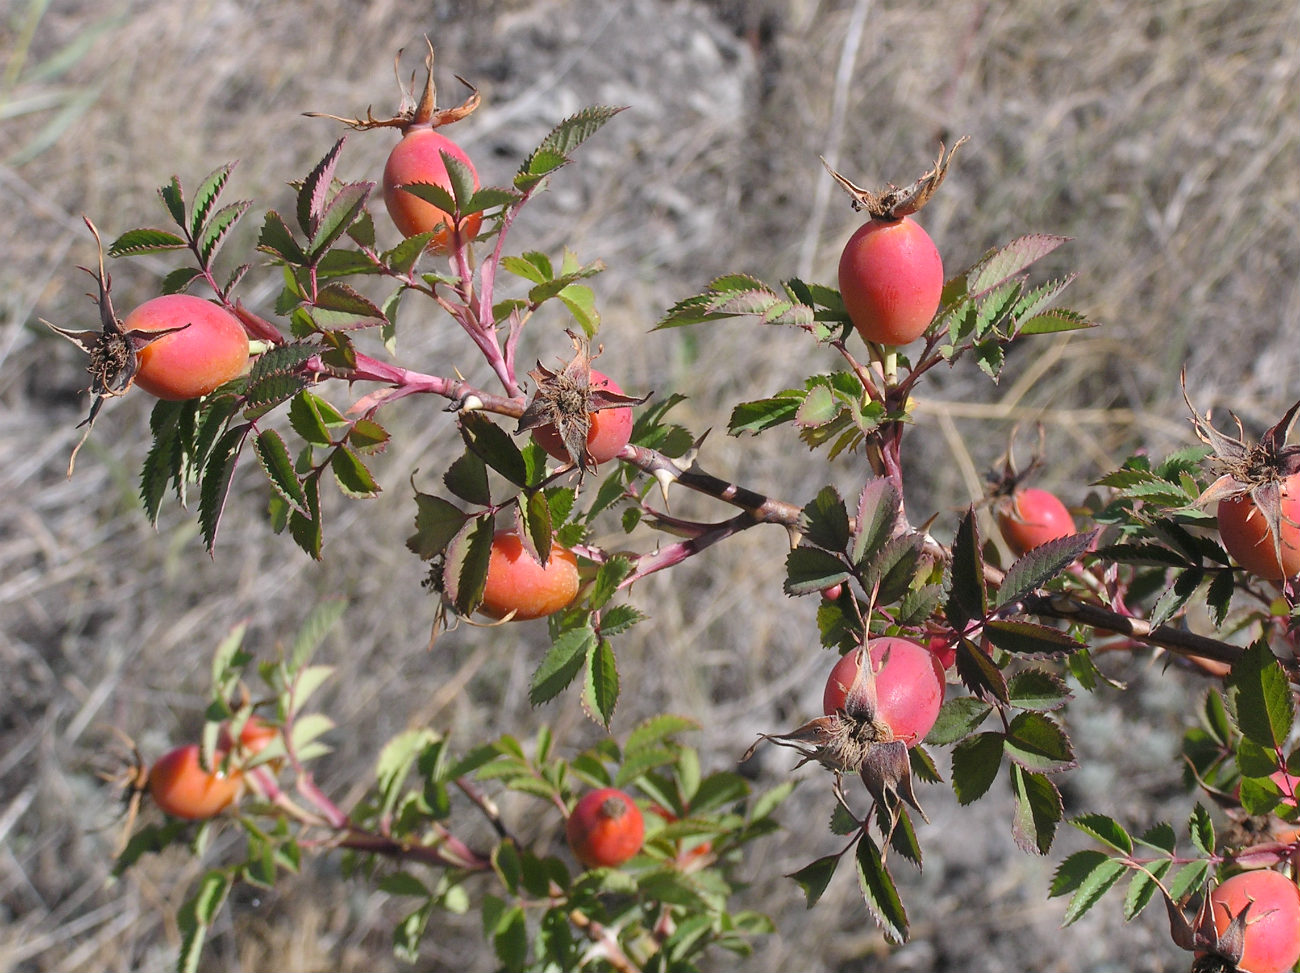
880,700
1249,923
890,272
420,158
124,353
893,203
1257,492
567,402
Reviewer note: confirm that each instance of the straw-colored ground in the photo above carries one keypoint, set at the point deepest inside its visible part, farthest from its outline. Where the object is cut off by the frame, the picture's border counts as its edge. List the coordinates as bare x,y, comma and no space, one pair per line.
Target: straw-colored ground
1164,138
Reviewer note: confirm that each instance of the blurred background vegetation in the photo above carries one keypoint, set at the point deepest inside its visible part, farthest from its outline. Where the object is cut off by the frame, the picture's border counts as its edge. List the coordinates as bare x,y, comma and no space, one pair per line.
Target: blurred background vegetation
1163,138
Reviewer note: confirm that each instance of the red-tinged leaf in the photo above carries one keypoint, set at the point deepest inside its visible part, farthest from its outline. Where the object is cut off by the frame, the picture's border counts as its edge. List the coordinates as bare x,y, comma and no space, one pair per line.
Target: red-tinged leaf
1054,322
343,210
879,891
1038,810
891,569
967,598
878,510
217,474
206,196
315,189
1039,565
346,302
174,200
1040,299
1006,262
1028,638
435,195
307,529
465,568
368,437
278,240
214,234
352,476
533,523
978,673
278,466
136,242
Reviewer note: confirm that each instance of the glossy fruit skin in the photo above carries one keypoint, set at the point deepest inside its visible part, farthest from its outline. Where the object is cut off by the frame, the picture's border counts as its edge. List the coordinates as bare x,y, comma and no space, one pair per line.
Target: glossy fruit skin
909,686
610,430
1273,923
891,279
418,159
516,582
1030,517
181,787
1248,539
605,828
189,363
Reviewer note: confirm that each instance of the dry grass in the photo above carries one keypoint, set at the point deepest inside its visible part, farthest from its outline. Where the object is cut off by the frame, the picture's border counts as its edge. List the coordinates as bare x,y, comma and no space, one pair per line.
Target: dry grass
1162,138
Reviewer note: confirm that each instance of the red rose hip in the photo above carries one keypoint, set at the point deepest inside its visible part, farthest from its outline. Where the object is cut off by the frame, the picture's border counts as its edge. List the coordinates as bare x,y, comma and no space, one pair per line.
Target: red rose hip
891,280
605,828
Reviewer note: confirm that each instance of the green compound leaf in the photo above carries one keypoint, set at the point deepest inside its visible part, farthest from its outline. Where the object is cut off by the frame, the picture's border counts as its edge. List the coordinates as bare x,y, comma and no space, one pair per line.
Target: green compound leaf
815,876
1038,810
975,764
1259,697
217,474
141,241
810,569
826,520
600,694
206,195
879,891
1106,830
278,466
561,664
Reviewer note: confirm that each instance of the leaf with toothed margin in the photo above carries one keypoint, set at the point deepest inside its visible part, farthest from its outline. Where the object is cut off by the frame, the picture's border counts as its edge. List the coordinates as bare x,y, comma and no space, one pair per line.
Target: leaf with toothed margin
315,189
217,474
879,891
466,565
967,600
135,242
